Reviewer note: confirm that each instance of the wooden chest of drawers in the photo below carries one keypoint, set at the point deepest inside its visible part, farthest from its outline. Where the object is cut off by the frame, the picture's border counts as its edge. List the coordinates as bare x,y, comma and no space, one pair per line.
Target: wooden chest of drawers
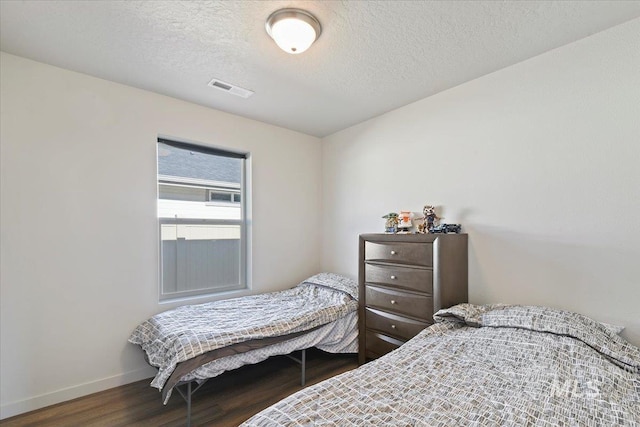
404,279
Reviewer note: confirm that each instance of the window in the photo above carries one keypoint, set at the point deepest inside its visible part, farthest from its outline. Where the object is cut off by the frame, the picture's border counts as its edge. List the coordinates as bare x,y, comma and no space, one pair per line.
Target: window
201,211
224,196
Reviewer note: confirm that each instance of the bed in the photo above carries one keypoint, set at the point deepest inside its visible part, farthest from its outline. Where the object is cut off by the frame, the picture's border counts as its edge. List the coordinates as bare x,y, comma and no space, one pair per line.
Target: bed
194,343
482,366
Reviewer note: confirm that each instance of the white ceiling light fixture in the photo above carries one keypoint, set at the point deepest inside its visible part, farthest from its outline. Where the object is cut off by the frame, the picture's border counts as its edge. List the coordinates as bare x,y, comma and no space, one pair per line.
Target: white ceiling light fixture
293,30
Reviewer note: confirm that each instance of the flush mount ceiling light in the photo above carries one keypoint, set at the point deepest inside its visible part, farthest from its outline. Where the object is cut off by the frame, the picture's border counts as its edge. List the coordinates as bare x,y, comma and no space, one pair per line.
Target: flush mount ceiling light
293,30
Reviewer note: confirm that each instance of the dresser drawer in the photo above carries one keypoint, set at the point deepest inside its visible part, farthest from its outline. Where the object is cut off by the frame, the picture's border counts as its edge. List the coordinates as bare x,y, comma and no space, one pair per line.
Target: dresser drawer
420,280
401,253
391,324
419,306
379,344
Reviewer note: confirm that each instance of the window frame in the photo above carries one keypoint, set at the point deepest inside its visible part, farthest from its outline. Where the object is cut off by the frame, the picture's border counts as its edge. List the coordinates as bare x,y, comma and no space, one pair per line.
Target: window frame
244,204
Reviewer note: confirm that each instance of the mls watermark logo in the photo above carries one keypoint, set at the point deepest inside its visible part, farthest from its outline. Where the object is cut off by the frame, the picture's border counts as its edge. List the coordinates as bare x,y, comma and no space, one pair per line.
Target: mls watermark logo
573,388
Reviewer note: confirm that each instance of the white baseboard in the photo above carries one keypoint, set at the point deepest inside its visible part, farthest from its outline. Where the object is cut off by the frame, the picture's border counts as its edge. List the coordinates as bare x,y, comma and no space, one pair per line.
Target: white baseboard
36,402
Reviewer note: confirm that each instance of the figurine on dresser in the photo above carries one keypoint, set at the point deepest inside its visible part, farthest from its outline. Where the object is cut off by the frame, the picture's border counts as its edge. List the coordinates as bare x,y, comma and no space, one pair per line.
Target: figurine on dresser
391,223
429,219
405,221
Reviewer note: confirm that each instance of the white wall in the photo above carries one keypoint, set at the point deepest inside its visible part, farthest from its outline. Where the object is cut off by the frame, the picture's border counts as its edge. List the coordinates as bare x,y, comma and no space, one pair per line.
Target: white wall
79,267
540,162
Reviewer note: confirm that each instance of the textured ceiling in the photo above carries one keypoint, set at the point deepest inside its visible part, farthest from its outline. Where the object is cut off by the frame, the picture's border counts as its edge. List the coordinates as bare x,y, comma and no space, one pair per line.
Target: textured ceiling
372,56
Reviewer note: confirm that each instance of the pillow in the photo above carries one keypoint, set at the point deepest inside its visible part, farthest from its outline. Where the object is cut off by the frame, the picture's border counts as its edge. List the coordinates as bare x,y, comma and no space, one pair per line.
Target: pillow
547,320
471,314
335,281
614,329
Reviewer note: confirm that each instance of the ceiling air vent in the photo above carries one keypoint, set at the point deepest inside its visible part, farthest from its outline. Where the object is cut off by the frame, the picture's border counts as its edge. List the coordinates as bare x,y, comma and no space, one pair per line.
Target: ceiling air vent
229,88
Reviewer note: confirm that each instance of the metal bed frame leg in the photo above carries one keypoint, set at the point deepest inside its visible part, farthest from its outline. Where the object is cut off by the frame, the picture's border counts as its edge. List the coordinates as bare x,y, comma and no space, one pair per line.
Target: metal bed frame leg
188,399
186,395
303,363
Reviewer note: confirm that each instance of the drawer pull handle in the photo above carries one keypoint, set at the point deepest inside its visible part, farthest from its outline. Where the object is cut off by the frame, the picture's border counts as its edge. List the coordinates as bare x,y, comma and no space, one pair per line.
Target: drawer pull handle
393,326
393,252
393,301
393,277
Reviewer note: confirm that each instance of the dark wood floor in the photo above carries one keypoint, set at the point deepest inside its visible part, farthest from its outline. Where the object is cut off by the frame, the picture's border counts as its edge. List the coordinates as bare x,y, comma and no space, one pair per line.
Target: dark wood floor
224,401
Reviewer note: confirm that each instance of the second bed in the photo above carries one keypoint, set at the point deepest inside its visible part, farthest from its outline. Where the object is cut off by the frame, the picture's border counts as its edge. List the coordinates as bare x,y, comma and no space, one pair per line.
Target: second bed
199,342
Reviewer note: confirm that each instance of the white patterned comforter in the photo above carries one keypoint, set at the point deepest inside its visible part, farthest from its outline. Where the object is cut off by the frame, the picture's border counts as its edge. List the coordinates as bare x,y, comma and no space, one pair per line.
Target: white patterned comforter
339,336
482,366
180,334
